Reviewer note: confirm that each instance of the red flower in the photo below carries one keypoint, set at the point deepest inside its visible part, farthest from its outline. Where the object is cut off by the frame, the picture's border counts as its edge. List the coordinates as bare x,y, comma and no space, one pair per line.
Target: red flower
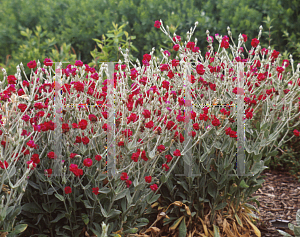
49,172
224,44
150,124
147,113
135,156
78,172
11,79
92,118
165,166
78,139
170,74
79,86
74,125
147,57
106,127
124,176
65,127
154,187
245,38
285,62
31,144
296,133
68,190
205,110
175,63
190,45
22,107
72,155
177,37
51,125
232,134
78,63
128,183
216,122
161,148
21,92
25,83
176,47
279,69
3,165
143,156
98,157
26,151
87,162
249,115
275,54
51,155
196,126
169,158
74,168
157,24
31,64
177,153
170,124
200,69
104,114
31,162
95,190
48,62
254,42
38,105
181,138
35,158
85,140
40,114
121,143
148,179
82,124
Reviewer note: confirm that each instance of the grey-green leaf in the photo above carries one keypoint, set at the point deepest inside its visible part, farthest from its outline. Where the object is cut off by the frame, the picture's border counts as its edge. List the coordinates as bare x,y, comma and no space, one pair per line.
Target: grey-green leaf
18,229
58,217
60,197
32,208
243,184
182,229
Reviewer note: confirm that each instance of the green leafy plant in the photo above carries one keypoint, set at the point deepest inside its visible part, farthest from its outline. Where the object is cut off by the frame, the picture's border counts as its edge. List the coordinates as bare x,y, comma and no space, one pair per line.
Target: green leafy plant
34,47
37,47
292,227
292,44
268,23
110,46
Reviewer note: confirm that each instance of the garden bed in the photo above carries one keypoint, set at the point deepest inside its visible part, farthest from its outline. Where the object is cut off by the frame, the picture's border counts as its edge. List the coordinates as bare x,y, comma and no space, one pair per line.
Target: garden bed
279,200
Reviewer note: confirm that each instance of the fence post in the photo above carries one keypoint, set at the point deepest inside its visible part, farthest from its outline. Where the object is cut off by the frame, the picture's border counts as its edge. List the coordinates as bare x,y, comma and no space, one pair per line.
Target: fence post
240,121
188,157
111,138
57,167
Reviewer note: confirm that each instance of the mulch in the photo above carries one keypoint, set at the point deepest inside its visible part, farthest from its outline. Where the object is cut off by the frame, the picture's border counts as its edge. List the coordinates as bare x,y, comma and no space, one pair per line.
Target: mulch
279,200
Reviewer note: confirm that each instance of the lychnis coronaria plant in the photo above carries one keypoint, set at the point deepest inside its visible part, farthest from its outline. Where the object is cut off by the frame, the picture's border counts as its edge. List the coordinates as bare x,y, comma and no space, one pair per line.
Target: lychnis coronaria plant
259,78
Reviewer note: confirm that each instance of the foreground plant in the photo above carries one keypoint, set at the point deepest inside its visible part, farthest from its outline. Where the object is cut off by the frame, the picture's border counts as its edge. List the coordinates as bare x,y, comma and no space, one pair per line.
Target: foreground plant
214,164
